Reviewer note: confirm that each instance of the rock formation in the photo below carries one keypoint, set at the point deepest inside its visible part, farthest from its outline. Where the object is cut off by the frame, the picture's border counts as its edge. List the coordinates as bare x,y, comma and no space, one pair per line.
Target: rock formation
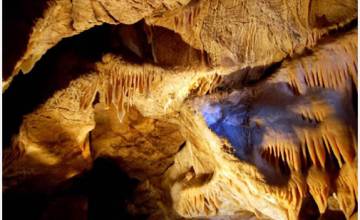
183,109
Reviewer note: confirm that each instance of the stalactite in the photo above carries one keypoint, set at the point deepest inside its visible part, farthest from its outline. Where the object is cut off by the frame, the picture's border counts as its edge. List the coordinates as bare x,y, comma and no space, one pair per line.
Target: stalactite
88,95
300,55
330,66
319,186
122,81
316,110
332,137
346,189
207,84
283,151
291,195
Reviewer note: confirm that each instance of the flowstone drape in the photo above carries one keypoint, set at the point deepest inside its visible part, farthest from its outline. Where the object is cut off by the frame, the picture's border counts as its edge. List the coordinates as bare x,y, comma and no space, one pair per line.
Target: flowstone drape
182,109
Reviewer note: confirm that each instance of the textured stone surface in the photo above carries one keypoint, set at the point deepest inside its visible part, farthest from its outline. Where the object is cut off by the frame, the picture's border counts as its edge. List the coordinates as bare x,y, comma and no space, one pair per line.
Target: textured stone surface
188,109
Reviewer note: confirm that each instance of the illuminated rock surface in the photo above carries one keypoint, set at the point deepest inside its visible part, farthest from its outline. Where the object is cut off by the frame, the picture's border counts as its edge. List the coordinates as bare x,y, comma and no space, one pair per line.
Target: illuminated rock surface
180,109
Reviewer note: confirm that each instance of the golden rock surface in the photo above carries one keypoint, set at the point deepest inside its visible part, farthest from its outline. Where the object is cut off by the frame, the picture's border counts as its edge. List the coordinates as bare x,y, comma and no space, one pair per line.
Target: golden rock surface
219,109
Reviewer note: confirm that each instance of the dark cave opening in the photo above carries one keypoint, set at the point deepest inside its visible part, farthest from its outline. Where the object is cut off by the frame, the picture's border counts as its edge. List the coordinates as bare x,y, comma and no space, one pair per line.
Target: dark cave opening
105,191
69,59
75,56
100,193
19,17
61,64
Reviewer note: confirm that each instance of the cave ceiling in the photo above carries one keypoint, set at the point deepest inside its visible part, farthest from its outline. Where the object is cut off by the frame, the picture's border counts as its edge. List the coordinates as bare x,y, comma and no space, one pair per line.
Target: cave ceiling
184,109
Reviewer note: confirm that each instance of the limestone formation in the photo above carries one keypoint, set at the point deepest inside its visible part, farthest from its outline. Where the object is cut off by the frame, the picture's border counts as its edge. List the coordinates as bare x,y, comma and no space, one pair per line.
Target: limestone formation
206,109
